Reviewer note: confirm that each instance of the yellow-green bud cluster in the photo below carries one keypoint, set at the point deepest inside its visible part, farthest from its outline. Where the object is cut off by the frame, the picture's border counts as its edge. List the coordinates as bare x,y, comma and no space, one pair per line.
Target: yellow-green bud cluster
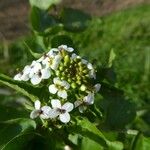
74,72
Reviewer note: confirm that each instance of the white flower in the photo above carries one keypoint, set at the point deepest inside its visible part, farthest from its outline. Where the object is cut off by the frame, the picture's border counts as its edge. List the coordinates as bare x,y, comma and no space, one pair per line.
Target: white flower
87,100
18,76
34,68
60,110
22,76
40,111
92,71
39,75
52,61
90,67
66,48
60,87
55,63
97,87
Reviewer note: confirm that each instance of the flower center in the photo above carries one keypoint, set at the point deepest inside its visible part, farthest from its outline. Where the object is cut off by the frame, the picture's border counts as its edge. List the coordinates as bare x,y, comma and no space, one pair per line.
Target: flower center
62,111
39,73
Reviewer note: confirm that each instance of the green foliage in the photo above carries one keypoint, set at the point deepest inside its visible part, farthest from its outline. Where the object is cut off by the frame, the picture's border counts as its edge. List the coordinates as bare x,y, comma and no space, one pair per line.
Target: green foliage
26,89
119,45
41,20
74,20
61,39
16,133
141,143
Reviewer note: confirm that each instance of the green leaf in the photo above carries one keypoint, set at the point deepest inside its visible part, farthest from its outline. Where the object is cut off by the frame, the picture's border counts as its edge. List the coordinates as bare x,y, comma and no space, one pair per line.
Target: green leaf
26,89
74,20
89,130
11,130
61,40
34,54
141,143
87,144
41,20
120,112
9,112
43,4
112,57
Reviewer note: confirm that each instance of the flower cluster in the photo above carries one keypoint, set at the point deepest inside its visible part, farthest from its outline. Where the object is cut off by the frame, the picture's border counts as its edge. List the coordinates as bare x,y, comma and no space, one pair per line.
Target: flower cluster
71,83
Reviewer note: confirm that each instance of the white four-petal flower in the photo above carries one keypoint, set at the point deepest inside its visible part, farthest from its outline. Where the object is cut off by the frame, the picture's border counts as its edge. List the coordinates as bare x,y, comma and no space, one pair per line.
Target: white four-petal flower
39,111
60,110
60,87
87,100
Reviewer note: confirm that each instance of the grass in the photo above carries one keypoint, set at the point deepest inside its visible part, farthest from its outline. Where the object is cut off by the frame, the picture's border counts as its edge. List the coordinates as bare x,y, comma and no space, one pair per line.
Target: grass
128,33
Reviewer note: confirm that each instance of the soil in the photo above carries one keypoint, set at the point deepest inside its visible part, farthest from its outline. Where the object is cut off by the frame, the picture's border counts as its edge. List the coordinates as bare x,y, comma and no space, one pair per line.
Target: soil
14,13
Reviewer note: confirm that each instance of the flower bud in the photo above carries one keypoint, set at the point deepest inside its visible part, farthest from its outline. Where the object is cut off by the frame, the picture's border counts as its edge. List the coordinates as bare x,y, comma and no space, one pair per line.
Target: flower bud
83,87
61,68
69,80
66,59
80,64
85,71
73,85
57,72
79,82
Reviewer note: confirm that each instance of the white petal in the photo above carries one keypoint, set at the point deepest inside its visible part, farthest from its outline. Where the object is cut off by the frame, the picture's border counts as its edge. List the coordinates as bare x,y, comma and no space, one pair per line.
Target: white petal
56,103
68,106
89,99
53,89
77,103
34,114
40,59
70,49
46,109
45,61
37,67
45,73
33,63
56,62
31,73
62,93
57,81
84,61
90,66
44,116
36,79
53,113
97,87
92,74
52,52
37,104
73,56
18,77
27,69
65,84
54,65
25,77
65,118
58,58
45,112
82,108
62,47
